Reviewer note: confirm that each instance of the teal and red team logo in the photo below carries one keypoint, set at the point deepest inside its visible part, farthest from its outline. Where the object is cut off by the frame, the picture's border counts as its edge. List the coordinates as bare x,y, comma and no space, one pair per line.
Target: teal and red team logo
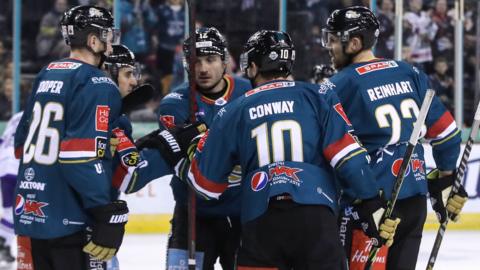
26,207
259,181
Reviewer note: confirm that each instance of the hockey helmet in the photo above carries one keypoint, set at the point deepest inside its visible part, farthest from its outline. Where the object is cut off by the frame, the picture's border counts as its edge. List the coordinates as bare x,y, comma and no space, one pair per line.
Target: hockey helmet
80,21
350,22
270,51
208,41
120,57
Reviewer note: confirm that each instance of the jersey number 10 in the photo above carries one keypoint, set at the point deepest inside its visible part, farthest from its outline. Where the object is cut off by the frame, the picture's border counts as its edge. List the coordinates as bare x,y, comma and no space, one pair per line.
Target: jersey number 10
262,135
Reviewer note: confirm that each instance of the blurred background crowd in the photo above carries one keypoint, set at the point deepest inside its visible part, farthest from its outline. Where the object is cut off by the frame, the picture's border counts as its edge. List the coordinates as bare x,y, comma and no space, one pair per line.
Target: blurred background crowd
154,30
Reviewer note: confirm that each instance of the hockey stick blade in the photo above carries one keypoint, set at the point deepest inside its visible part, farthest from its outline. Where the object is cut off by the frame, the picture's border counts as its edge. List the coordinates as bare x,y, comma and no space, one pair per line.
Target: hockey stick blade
412,142
458,181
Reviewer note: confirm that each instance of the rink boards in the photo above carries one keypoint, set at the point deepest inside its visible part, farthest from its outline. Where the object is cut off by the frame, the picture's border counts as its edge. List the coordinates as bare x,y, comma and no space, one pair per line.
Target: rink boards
151,208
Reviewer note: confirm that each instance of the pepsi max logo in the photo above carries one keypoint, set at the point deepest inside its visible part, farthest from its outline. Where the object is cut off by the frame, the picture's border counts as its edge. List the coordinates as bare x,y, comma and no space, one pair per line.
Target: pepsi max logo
396,167
26,207
418,165
19,204
259,181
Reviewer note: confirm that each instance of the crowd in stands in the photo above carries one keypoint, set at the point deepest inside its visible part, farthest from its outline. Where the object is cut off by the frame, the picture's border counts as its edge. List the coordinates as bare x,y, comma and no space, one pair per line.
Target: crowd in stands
154,31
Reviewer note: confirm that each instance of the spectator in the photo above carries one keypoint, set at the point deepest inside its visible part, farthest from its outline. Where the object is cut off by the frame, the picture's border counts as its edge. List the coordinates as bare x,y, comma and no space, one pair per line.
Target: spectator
386,42
137,19
420,31
442,82
171,28
49,41
443,42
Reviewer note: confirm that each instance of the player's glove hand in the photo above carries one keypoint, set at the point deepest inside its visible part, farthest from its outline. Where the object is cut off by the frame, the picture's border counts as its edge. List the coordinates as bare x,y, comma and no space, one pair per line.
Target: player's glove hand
172,143
108,230
439,189
368,213
182,168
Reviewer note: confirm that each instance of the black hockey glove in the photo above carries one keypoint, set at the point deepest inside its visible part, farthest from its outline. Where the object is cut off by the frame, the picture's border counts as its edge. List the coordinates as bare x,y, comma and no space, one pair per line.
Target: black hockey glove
108,230
439,189
368,214
172,143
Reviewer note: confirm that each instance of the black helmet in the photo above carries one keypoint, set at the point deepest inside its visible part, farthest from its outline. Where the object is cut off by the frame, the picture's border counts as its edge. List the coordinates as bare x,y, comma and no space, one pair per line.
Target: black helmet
270,51
208,41
352,21
120,57
320,72
80,21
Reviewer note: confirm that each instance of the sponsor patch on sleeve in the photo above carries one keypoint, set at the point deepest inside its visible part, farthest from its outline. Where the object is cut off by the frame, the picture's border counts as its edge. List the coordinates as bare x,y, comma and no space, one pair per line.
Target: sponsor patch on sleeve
100,146
101,118
370,67
338,107
168,121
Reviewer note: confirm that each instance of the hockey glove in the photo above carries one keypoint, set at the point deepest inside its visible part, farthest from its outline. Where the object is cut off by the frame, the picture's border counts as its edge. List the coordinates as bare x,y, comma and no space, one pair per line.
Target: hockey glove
182,168
108,230
368,213
172,143
439,189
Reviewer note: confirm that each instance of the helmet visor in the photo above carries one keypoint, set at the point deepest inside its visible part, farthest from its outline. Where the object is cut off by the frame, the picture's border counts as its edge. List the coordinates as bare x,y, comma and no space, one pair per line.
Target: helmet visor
110,35
244,62
328,37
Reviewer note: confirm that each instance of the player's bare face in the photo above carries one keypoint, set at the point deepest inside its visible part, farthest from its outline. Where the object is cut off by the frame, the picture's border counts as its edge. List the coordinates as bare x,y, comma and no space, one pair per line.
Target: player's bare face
209,71
126,80
335,49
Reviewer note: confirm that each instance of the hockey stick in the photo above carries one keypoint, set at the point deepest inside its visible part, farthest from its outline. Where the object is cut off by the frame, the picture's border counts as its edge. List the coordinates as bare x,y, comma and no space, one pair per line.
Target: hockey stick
192,199
456,185
405,162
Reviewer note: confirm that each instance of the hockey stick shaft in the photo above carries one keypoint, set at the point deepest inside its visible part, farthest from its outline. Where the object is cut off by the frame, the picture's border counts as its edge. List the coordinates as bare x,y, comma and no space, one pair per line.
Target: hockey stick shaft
458,181
192,199
412,142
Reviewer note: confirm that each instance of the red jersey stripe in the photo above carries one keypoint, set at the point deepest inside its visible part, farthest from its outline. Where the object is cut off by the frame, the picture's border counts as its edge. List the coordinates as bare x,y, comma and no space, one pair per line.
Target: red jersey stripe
204,182
78,145
442,123
338,146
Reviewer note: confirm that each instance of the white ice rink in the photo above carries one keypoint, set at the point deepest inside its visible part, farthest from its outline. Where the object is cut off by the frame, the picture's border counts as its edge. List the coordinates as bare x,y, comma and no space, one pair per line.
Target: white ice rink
460,251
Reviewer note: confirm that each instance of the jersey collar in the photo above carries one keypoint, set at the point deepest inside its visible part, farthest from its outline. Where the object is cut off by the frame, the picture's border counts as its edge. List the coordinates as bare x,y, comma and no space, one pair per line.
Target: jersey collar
226,96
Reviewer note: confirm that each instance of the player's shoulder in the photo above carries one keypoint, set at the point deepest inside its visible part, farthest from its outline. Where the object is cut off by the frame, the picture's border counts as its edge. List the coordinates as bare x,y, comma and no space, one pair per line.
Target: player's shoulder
239,83
178,95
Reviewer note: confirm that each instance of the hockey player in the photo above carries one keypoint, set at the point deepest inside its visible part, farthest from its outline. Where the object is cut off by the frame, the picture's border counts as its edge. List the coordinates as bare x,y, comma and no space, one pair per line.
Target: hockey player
8,176
64,215
217,223
381,97
290,138
133,166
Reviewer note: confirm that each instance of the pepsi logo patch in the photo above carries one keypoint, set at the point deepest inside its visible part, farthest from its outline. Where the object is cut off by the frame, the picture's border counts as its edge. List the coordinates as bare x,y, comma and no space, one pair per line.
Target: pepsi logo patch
370,67
259,181
19,204
101,118
396,167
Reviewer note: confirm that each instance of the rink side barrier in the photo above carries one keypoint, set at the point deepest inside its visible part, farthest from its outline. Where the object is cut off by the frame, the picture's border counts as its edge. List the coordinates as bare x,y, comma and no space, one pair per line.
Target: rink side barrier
151,208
